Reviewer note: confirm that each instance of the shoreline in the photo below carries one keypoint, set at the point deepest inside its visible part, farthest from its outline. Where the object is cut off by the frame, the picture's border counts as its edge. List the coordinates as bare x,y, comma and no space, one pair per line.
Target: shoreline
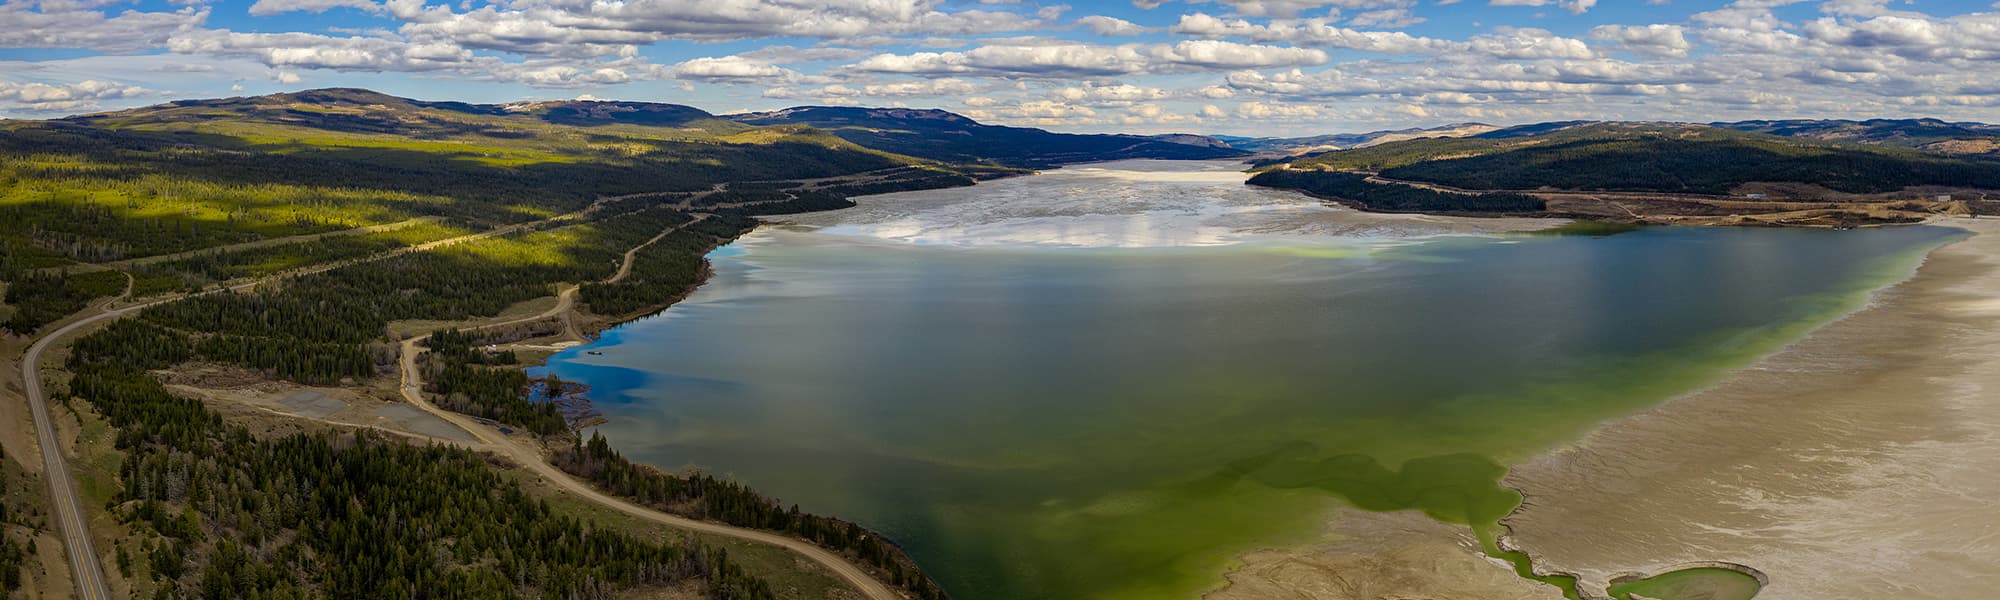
1676,210
1815,466
1431,540
1431,562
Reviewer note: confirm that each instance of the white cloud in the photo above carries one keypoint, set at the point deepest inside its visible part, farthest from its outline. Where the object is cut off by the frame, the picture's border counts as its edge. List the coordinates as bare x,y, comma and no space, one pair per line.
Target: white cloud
1122,94
731,69
1069,60
1657,40
67,26
551,26
1276,110
314,51
1391,17
1573,6
273,7
1110,26
932,88
64,97
1217,54
1292,8
1506,42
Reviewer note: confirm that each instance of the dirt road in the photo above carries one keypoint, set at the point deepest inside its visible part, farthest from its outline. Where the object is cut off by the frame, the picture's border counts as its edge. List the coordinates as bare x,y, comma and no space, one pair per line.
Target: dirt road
531,458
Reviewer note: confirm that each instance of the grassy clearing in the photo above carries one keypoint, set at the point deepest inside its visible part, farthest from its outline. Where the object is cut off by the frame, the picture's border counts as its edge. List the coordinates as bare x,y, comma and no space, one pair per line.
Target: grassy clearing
67,207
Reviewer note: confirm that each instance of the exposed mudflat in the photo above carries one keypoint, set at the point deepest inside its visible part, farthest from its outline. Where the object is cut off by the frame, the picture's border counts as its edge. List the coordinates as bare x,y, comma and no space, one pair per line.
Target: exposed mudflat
1858,463
1401,555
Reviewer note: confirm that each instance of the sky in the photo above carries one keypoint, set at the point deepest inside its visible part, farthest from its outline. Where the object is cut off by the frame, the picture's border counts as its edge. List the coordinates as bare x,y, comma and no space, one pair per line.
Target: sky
1243,67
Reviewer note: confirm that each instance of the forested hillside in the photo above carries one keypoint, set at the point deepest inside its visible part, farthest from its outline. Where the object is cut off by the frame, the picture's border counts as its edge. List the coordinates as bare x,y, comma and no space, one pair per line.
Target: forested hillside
335,214
1928,134
1645,157
196,174
1388,197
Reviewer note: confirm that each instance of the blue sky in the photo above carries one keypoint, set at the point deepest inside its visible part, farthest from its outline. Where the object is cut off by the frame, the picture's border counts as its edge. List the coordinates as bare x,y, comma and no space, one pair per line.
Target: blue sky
1257,67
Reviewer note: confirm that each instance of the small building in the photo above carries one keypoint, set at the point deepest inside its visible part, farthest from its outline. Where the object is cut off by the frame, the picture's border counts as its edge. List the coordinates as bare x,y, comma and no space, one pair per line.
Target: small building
1941,198
1754,196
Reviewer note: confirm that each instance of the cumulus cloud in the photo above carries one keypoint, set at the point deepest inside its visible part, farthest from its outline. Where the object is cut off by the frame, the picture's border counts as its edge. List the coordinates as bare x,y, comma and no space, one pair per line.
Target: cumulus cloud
1292,8
1123,94
1277,110
550,26
1306,60
1064,60
65,25
730,69
1217,54
1391,17
1311,33
65,97
1506,42
1657,40
1573,6
263,8
933,88
1110,26
315,51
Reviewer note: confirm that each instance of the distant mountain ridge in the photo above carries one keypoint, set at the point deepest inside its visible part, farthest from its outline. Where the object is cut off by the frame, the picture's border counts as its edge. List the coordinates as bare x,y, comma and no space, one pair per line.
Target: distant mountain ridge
922,133
947,136
1657,157
1929,134
1343,141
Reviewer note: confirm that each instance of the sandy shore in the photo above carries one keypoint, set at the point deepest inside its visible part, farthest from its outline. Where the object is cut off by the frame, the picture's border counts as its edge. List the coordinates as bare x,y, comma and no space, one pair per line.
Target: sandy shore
1862,462
1374,556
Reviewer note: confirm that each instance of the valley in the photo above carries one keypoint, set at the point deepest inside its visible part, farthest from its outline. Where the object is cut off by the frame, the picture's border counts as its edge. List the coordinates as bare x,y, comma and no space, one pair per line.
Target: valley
341,343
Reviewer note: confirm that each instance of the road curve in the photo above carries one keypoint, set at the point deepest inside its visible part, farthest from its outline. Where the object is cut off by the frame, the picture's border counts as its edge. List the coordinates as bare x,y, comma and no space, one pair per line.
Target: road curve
70,520
531,458
412,388
77,543
83,565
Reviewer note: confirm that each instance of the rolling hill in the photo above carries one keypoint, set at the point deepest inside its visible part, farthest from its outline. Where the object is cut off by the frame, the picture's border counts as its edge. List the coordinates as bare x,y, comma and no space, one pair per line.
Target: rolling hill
190,174
315,239
950,137
1341,141
1928,134
1655,157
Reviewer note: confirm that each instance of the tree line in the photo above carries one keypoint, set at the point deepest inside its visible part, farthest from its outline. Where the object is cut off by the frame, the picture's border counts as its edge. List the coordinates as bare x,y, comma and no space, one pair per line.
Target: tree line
1355,187
222,513
701,496
478,383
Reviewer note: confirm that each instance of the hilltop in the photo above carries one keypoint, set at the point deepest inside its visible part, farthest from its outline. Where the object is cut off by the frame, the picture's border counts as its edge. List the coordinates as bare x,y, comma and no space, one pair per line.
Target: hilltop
1928,134
946,136
1318,144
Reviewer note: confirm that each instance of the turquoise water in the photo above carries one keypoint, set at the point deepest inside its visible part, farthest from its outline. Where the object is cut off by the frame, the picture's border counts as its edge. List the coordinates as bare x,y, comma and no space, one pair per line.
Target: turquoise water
1119,420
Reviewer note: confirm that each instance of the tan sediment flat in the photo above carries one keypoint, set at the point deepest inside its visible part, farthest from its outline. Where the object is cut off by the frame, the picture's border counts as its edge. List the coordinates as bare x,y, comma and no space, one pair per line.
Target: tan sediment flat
1401,555
1861,462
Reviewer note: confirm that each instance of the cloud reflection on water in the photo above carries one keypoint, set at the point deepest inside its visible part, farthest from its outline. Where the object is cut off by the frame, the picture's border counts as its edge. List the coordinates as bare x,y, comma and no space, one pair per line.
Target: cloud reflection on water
1126,204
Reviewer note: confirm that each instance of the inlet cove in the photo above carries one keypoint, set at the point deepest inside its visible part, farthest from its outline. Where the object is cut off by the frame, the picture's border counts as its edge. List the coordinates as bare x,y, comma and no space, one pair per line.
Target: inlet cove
1113,381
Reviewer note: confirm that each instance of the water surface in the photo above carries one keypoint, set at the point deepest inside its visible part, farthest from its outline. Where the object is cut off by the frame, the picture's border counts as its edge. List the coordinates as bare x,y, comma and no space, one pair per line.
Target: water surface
1107,382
